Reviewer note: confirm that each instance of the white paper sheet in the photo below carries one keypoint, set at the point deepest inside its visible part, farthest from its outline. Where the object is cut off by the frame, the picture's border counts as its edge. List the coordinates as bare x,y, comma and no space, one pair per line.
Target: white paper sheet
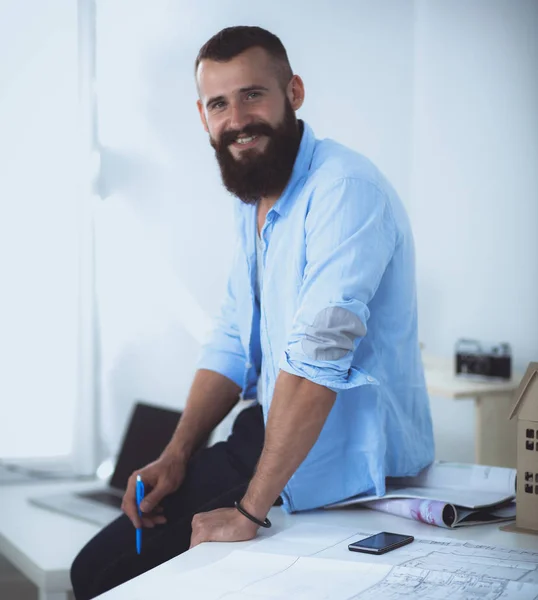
306,539
461,484
443,569
243,575
246,576
464,497
495,480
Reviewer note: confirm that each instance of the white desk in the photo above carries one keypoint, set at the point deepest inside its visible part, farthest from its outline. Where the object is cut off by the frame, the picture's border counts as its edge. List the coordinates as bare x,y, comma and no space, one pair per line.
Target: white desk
364,519
40,543
495,435
43,544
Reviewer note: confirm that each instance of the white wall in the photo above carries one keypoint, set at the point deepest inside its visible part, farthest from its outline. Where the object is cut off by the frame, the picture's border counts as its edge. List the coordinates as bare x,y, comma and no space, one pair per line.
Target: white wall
475,198
166,226
474,204
38,227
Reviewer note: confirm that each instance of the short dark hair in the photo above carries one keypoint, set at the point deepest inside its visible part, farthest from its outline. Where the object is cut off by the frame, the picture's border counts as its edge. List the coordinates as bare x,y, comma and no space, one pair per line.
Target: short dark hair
232,41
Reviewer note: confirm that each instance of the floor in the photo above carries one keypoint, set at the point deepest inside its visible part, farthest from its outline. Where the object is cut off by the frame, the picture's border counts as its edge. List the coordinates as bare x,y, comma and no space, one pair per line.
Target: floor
13,585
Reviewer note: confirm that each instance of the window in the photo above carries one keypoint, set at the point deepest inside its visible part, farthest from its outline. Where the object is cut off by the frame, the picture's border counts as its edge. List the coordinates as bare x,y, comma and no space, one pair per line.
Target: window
38,227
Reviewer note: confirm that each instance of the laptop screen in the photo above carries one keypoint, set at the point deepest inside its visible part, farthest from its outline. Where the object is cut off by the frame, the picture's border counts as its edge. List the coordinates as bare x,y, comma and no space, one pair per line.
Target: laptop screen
148,432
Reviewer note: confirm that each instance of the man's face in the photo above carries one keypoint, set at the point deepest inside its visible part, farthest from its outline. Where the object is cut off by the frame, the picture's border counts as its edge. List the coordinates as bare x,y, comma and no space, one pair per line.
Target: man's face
251,123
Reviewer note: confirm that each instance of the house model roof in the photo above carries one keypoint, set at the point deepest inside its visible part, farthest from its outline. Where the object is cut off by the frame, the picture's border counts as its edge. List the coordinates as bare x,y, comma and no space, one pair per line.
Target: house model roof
530,379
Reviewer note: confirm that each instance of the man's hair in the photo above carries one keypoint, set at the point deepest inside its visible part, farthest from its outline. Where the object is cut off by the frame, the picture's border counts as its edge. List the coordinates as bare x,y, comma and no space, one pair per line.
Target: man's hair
232,41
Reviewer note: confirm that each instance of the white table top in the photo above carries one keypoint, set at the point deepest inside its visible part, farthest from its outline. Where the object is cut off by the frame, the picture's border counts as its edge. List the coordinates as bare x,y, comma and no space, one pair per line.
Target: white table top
364,519
41,543
442,381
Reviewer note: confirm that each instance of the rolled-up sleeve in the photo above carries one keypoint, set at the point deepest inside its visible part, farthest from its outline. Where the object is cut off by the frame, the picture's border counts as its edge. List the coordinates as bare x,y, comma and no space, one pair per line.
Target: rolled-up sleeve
224,352
350,240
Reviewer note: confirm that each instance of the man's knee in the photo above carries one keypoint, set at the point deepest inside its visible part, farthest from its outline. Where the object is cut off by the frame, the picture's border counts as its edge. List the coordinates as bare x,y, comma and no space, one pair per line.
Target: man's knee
110,558
82,575
93,563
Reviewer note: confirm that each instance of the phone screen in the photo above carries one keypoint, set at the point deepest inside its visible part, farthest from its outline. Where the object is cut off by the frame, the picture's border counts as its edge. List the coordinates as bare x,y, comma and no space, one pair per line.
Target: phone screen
381,542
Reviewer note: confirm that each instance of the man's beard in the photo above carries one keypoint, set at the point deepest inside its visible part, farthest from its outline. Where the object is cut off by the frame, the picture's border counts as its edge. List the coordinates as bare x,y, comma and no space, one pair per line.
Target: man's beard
260,174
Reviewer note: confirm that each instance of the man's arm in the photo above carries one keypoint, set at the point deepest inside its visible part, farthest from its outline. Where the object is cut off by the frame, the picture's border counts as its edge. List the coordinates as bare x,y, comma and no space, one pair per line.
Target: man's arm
212,396
298,412
296,417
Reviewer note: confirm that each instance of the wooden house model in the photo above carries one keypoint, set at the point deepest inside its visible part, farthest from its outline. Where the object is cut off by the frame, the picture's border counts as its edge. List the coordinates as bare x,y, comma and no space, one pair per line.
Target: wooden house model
525,408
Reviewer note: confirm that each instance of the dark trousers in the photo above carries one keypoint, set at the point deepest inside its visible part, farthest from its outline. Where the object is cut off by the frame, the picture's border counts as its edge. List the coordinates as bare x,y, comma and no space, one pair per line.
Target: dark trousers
216,477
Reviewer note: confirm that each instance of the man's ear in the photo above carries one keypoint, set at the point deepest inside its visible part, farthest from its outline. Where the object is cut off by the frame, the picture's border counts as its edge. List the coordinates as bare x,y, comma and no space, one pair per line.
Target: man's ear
202,114
295,92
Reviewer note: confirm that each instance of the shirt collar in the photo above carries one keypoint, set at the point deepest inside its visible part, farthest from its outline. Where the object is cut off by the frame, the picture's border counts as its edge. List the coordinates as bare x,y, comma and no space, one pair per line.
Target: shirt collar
300,170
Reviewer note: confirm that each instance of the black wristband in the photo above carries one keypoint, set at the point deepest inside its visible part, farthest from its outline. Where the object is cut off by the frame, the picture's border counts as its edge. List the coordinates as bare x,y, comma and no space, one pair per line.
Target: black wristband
265,523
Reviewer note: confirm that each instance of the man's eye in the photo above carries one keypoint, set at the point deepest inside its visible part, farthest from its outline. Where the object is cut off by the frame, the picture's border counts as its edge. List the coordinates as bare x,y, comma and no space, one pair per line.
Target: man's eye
217,105
253,95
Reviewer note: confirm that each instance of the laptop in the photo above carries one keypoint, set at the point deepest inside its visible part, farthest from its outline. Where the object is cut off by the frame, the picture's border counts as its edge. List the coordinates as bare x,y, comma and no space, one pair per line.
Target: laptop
148,432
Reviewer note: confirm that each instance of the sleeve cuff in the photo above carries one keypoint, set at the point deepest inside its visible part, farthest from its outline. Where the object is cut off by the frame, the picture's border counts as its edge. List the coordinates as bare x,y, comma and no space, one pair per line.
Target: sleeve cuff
330,376
231,366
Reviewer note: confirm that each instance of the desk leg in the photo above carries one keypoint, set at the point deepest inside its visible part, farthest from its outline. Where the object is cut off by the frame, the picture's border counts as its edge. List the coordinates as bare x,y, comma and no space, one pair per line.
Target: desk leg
496,436
44,595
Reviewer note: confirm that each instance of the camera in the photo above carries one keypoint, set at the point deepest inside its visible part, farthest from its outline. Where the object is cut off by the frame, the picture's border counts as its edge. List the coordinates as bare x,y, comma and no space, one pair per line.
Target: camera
472,359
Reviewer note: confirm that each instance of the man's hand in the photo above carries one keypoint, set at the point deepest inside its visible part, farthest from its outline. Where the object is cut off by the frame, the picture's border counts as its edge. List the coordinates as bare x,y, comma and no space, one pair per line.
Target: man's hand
221,525
164,475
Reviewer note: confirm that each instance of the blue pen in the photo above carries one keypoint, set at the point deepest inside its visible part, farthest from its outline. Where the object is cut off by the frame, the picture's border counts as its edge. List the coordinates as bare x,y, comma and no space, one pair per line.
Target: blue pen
139,498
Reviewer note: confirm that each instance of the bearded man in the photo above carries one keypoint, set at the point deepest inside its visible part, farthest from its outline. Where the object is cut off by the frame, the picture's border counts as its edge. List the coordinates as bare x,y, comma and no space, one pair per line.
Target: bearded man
318,326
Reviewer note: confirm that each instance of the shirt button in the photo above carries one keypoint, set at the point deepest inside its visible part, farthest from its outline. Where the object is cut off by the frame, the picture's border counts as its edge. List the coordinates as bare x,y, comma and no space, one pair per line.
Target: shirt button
248,365
370,379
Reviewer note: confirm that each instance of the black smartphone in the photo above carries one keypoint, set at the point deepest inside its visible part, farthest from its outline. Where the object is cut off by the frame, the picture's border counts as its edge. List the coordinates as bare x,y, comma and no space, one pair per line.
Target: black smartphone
380,543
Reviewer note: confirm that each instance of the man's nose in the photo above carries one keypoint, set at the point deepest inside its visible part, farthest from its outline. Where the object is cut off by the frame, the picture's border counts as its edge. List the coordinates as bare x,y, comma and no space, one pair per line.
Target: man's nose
239,116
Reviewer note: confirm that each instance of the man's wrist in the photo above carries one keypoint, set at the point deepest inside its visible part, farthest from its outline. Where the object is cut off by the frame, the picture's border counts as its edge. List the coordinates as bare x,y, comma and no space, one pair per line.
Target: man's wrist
258,522
178,451
258,509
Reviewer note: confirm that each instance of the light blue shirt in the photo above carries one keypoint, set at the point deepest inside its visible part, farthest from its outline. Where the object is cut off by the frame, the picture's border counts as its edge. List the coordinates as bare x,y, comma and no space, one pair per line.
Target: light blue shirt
338,307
